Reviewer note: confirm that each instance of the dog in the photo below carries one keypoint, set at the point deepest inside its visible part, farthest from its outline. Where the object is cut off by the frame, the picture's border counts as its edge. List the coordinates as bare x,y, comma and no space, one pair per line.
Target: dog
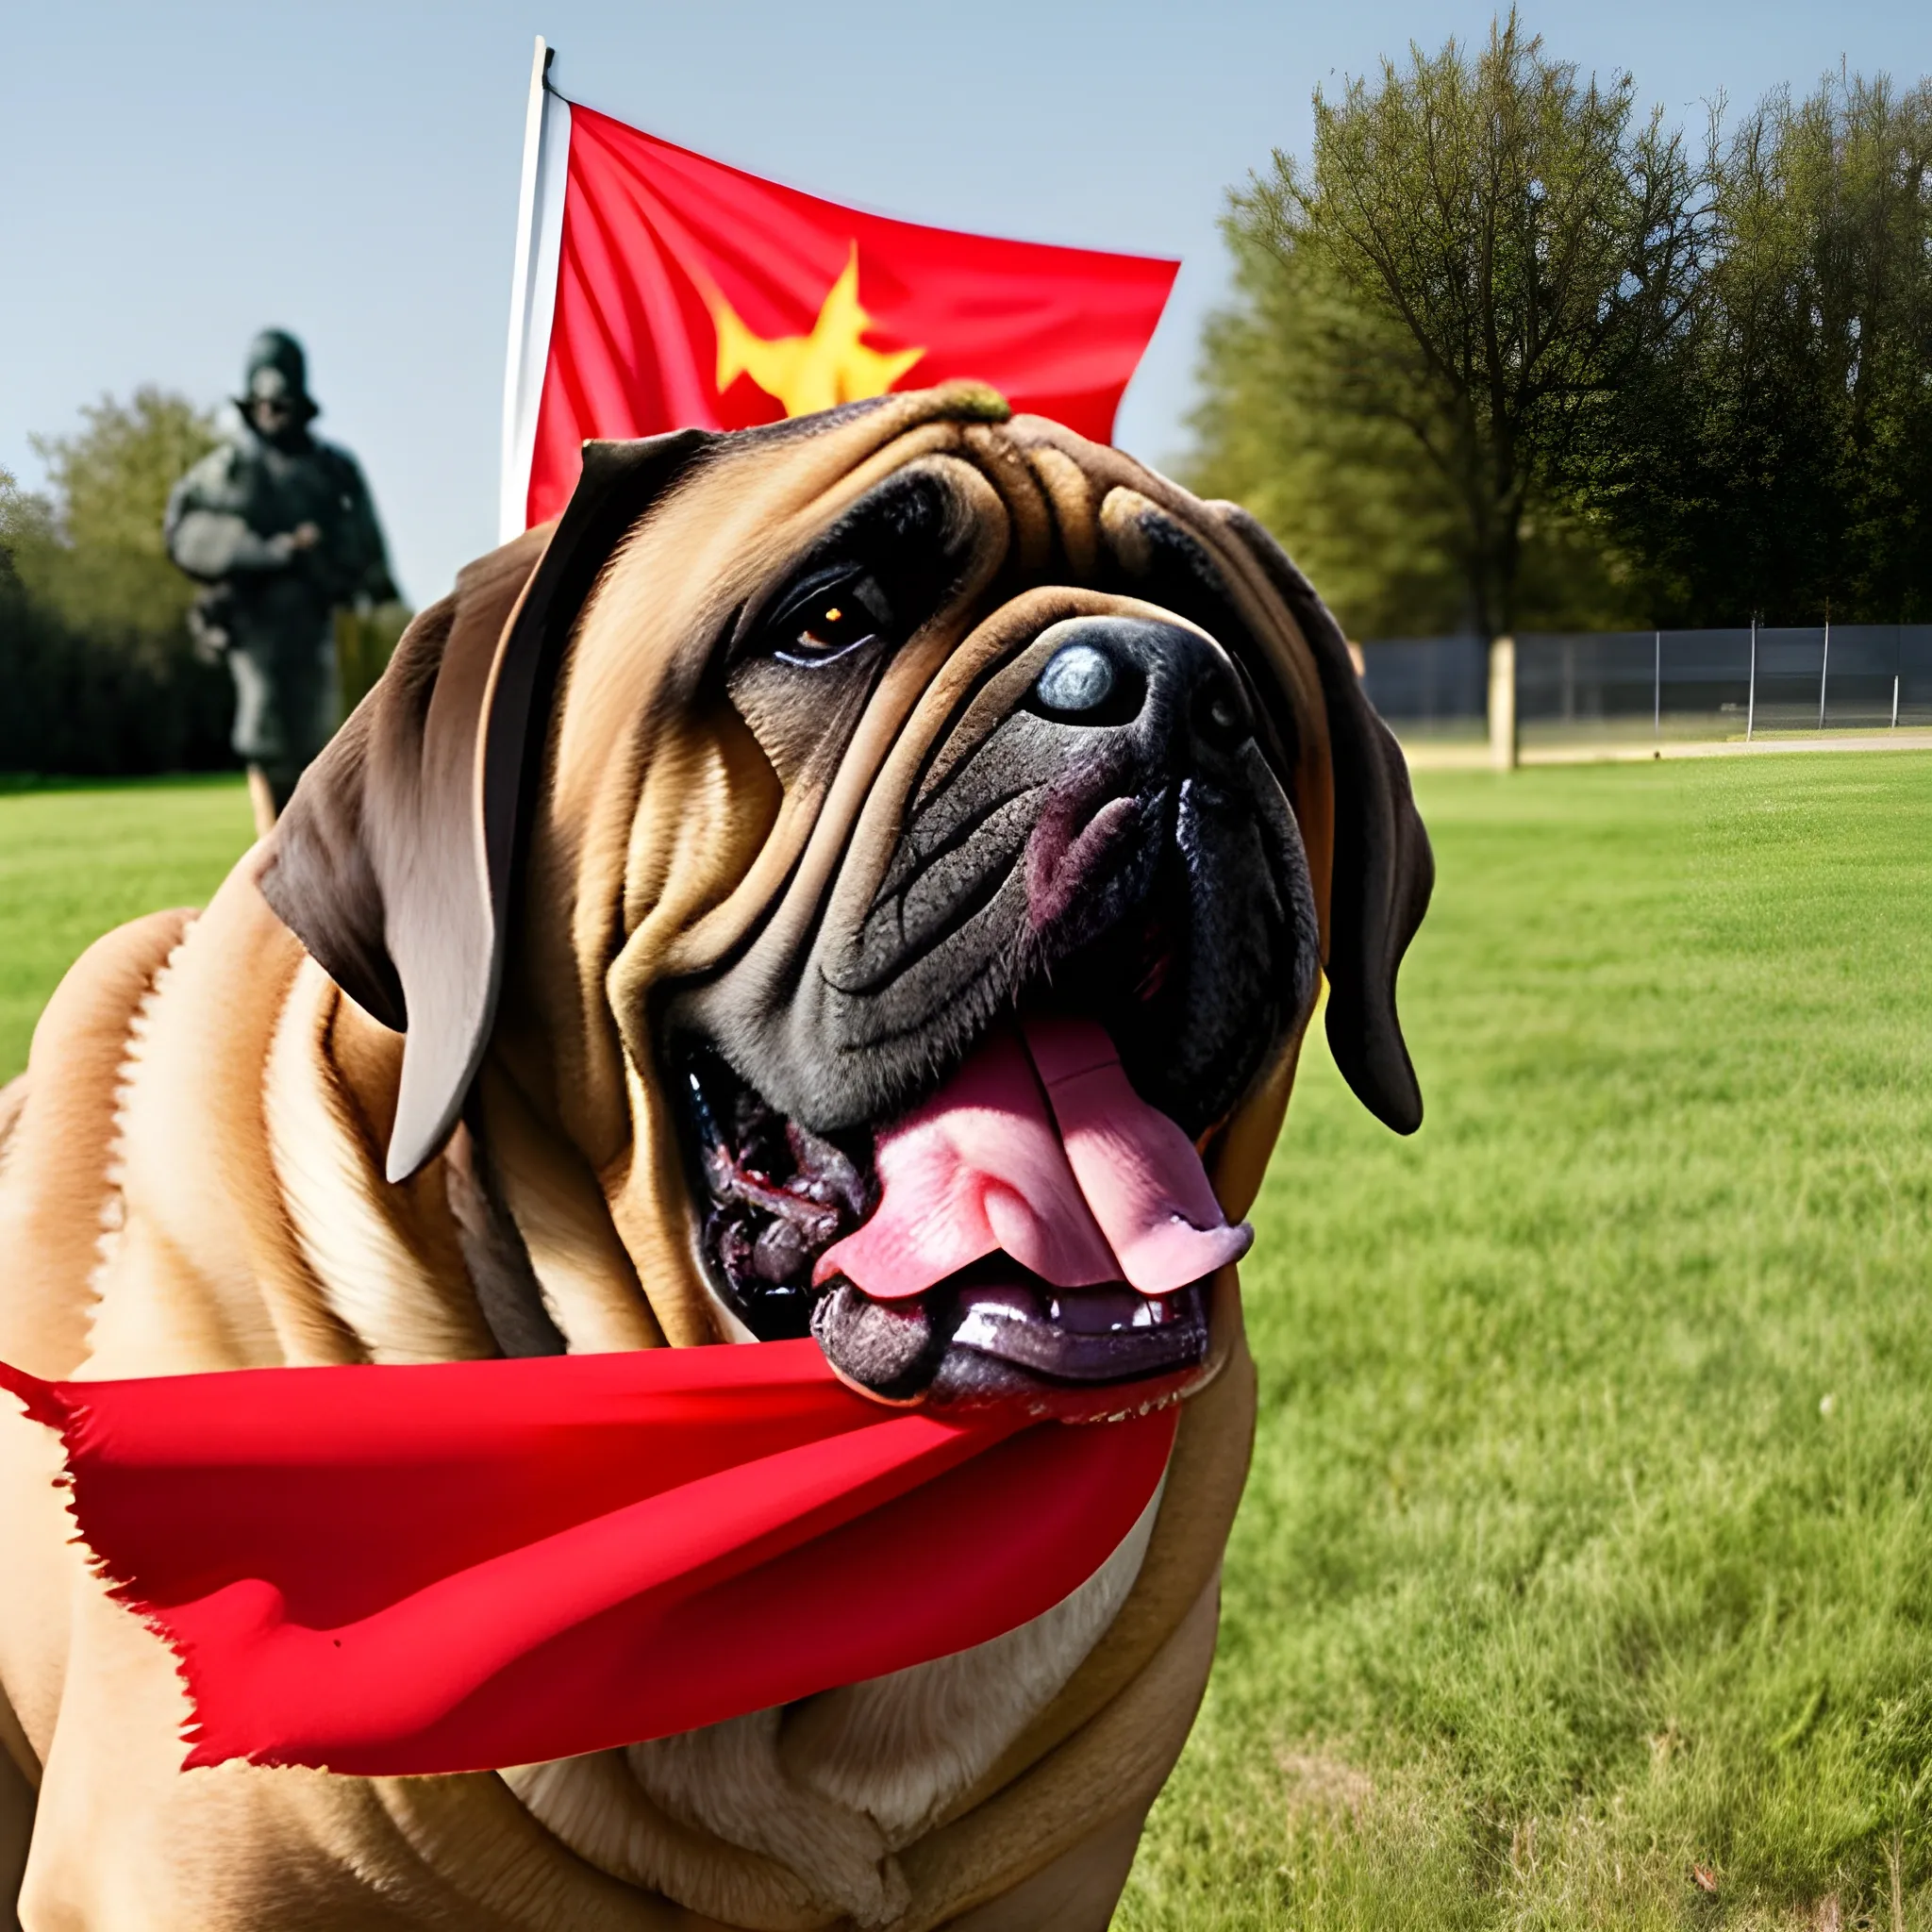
688,841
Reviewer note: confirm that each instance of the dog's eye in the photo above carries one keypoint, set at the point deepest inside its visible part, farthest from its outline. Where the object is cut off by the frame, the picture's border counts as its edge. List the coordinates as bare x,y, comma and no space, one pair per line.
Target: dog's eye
830,618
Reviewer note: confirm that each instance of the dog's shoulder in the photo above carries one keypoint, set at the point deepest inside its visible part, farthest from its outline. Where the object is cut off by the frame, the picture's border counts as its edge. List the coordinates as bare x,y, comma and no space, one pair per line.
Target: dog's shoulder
209,1271
55,1180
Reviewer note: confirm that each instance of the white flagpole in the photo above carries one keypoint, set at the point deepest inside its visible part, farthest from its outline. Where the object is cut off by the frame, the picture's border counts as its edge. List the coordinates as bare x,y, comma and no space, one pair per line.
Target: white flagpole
533,287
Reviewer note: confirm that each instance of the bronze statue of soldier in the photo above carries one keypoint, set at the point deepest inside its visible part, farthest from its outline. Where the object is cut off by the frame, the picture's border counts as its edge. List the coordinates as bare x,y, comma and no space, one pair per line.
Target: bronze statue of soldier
279,528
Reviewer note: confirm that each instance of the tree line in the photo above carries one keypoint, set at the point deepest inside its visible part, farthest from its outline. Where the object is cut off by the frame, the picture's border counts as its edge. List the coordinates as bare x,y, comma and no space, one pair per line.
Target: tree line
1504,352
95,660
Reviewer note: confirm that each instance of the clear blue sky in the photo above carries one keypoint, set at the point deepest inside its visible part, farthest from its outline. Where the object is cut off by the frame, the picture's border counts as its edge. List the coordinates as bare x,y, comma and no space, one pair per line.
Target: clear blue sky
177,176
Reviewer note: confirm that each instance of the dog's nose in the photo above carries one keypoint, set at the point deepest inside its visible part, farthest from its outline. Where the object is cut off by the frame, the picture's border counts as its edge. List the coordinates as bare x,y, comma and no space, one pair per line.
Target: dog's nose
1113,670
1078,677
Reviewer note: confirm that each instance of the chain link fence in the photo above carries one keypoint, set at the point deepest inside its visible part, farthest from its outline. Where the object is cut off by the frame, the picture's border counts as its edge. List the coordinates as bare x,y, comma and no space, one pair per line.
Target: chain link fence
1610,688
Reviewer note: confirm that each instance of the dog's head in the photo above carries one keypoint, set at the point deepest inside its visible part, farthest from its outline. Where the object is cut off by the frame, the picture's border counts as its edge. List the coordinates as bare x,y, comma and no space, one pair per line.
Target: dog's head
793,772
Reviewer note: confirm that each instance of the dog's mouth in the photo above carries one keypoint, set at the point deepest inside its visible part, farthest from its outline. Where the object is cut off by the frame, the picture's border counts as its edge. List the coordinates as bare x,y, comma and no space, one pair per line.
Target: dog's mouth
1029,1232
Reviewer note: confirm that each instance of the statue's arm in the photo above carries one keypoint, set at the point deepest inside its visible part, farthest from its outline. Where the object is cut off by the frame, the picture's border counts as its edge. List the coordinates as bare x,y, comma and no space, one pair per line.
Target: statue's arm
210,542
364,555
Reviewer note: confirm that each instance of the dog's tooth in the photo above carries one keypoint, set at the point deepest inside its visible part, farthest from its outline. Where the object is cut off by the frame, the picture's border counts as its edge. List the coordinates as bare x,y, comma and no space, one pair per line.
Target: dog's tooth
829,1166
781,1252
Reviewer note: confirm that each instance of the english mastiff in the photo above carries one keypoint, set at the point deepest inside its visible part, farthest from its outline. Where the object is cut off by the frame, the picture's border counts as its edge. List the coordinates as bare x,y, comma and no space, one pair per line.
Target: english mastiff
692,842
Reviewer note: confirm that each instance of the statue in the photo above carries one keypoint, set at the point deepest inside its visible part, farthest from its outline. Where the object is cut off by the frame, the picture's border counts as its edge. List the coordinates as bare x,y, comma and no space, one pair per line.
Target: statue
279,526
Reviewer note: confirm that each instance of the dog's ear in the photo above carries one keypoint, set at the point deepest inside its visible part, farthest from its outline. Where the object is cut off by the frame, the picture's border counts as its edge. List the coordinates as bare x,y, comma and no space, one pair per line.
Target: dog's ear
1383,868
394,861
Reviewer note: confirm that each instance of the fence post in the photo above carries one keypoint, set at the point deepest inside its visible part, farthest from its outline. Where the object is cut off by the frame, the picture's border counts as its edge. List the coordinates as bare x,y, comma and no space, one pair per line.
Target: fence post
1502,745
1751,698
1823,671
1657,691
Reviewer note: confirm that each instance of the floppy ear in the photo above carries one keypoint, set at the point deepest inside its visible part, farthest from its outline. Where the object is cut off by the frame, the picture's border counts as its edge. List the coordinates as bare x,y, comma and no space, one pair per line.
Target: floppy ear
394,863
1383,868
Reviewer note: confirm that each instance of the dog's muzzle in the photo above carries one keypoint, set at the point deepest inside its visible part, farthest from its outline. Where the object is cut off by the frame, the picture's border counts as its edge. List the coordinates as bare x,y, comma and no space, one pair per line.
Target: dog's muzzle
1115,851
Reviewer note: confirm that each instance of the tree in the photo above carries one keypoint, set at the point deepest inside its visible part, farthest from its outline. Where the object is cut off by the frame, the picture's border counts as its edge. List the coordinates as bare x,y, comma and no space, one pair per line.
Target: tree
94,656
1373,522
108,571
1783,463
1373,526
1478,254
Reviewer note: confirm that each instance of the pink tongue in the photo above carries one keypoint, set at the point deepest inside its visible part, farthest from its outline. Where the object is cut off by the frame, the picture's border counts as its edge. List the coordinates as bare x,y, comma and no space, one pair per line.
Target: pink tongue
1103,1187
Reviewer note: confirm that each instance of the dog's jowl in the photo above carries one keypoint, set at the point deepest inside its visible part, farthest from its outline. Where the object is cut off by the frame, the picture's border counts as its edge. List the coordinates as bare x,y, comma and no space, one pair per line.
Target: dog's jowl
860,884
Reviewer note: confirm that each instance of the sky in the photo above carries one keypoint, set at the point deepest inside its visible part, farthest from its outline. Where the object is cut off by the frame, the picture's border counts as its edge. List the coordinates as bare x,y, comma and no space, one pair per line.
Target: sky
178,176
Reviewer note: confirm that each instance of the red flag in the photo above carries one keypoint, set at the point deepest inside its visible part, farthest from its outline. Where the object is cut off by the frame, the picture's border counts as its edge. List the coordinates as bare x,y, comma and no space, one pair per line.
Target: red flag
658,290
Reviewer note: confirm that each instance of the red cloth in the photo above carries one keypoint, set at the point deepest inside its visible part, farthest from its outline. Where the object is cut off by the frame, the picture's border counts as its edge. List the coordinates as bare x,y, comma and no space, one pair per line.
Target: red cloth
654,234
469,1565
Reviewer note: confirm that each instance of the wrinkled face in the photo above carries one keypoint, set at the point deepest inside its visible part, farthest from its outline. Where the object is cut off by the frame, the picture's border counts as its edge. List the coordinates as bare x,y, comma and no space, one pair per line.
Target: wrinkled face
869,877
1076,843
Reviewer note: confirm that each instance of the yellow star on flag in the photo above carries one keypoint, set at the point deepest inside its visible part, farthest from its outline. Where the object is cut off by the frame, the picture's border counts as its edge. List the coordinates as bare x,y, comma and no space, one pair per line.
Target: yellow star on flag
818,371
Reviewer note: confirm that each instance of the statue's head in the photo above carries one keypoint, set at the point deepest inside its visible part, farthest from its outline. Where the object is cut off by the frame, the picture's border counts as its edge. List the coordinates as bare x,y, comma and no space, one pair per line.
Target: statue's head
275,387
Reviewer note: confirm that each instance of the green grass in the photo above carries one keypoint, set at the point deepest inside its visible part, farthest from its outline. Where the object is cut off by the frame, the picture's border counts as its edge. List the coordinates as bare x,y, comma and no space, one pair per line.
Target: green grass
78,858
1590,1537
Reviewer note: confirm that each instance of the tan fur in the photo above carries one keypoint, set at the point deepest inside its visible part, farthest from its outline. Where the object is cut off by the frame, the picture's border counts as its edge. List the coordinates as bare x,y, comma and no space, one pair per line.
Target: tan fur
210,1091
375,1263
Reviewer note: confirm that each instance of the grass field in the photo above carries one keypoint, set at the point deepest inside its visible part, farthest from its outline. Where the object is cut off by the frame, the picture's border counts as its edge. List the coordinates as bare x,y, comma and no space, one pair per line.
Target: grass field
77,860
1589,1540
1585,1576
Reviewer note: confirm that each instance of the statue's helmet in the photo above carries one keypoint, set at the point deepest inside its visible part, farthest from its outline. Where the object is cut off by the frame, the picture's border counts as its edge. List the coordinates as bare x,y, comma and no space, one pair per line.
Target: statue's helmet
276,370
